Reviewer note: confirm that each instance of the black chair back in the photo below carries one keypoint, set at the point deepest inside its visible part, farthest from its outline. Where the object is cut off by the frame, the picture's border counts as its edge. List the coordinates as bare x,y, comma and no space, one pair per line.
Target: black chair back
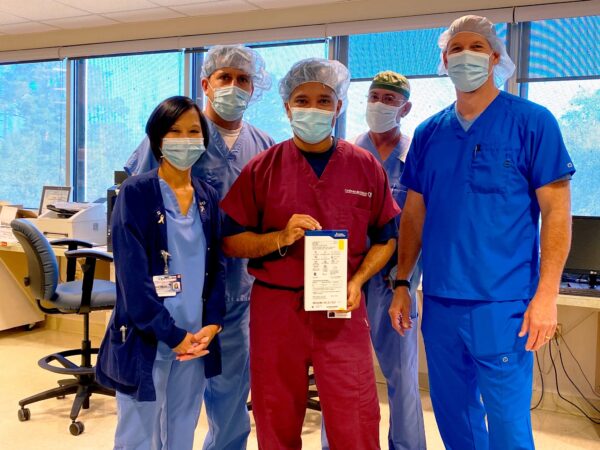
41,260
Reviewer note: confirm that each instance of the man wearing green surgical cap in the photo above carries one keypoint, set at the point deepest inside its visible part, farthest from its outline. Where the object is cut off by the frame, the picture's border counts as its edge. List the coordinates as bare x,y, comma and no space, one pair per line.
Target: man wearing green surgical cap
387,103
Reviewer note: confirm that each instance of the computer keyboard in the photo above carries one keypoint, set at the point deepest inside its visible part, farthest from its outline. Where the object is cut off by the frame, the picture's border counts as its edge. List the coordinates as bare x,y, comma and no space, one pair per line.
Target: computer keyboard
582,292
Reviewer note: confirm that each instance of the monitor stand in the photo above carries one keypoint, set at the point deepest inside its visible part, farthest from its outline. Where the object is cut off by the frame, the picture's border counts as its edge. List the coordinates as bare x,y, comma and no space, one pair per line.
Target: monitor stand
593,279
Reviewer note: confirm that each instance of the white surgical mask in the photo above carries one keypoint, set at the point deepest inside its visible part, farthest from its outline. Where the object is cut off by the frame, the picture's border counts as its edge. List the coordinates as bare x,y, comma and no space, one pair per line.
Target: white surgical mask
182,153
381,117
468,70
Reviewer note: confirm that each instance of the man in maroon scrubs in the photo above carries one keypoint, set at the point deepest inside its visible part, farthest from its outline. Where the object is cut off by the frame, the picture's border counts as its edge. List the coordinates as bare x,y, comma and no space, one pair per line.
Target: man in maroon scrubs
312,181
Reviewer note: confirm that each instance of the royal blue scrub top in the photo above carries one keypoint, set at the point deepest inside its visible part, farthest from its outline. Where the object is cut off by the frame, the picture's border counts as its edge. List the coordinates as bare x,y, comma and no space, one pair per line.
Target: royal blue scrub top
481,231
187,247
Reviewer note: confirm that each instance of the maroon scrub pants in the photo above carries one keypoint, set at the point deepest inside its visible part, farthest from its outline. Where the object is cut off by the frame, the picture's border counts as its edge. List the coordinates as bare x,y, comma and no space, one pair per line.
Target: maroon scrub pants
284,341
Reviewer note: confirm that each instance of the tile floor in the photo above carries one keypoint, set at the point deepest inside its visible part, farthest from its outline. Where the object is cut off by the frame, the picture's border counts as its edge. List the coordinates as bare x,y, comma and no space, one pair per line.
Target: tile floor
48,427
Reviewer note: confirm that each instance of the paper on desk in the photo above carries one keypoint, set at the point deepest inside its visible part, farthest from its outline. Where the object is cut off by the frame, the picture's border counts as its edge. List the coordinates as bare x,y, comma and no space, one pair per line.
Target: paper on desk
325,270
8,214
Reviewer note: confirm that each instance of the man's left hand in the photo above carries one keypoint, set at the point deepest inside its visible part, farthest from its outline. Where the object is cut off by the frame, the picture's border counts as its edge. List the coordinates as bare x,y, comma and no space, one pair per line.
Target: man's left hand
539,321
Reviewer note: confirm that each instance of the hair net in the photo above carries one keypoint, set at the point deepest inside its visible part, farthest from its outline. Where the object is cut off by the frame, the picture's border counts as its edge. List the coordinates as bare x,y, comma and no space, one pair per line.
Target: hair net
241,58
331,73
391,81
484,27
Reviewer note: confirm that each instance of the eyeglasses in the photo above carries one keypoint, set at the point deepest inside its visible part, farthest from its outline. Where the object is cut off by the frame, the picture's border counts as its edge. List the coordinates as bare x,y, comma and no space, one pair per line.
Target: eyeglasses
387,99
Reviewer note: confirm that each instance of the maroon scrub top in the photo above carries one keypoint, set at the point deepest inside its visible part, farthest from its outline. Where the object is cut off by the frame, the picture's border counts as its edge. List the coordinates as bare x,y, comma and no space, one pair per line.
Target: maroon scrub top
352,194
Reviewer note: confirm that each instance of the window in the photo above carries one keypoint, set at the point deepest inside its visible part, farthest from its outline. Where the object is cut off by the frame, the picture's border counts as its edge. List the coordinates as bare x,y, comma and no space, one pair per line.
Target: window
115,98
560,69
576,106
32,129
427,95
561,48
268,113
413,53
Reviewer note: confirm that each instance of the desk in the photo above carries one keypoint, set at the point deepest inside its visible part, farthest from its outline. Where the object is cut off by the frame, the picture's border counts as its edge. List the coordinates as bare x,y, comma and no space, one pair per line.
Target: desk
579,301
17,306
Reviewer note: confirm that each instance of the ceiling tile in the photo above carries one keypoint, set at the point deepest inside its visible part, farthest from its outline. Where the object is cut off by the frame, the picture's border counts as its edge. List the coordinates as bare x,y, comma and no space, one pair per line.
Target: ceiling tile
219,7
273,4
80,22
39,9
27,27
108,6
9,18
180,2
142,15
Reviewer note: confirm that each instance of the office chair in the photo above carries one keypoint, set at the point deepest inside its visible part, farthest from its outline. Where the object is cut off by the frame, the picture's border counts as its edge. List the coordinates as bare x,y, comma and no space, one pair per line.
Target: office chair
71,297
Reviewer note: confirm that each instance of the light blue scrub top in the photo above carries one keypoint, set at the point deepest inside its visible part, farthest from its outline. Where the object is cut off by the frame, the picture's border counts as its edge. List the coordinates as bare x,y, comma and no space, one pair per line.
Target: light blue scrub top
219,167
464,123
394,166
481,230
187,247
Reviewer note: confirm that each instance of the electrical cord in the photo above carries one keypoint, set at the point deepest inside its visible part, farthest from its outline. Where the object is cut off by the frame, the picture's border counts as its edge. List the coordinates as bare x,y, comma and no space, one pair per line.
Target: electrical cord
592,419
569,378
537,360
579,365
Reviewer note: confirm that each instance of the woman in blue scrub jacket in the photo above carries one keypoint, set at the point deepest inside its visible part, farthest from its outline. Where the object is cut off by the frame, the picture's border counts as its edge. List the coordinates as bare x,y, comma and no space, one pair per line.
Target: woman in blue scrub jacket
233,77
161,345
480,174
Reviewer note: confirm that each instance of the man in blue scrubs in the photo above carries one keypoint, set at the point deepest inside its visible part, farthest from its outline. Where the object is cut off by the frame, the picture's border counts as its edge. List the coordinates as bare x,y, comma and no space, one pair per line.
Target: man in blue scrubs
387,104
232,77
479,175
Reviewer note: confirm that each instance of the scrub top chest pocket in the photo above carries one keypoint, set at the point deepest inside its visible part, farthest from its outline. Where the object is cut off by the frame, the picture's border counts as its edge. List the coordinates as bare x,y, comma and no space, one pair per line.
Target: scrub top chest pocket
490,169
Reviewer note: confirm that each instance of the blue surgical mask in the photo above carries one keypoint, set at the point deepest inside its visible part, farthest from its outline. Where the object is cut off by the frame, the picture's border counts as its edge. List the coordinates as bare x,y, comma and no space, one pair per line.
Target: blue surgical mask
468,70
182,153
312,125
230,102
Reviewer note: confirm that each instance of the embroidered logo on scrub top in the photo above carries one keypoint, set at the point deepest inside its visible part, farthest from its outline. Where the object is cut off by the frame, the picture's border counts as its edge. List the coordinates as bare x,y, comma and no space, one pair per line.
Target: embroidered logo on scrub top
361,193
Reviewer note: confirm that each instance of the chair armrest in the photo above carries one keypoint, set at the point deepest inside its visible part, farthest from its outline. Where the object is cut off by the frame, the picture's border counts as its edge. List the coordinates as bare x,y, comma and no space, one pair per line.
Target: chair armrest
89,270
72,243
89,253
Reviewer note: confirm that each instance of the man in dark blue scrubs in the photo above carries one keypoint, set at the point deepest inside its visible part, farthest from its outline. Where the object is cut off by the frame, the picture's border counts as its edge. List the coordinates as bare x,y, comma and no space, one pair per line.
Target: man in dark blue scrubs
479,175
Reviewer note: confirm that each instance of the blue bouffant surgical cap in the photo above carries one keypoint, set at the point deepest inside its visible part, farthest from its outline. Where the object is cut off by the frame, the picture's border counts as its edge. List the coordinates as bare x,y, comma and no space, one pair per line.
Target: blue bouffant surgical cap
484,27
331,73
241,58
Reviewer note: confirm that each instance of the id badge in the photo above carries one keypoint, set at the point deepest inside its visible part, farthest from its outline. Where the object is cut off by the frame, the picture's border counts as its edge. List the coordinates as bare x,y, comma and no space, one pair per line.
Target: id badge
339,314
167,285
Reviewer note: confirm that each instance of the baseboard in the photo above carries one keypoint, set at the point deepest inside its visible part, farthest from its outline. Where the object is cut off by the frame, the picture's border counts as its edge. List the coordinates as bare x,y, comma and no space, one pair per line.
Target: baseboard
73,323
551,401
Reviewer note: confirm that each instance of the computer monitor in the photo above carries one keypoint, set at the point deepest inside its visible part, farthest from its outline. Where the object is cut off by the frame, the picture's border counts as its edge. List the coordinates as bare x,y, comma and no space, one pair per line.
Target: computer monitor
584,257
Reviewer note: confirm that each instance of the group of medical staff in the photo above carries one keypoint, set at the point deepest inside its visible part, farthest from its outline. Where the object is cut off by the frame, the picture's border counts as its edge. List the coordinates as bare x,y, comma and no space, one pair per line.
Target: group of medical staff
209,258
